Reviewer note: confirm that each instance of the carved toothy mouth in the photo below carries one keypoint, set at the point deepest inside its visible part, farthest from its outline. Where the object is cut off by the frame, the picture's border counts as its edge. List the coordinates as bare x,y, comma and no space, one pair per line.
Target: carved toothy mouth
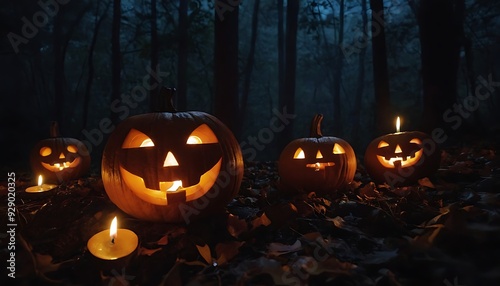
400,161
58,167
320,166
171,190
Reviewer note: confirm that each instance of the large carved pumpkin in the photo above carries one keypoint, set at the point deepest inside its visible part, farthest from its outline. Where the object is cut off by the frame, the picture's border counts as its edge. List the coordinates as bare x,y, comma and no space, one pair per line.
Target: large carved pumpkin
318,163
58,158
172,166
401,158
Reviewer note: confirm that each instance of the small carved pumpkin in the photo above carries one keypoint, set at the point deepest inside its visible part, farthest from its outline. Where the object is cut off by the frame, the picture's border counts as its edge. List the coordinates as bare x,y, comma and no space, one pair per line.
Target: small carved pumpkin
400,158
171,166
319,163
59,159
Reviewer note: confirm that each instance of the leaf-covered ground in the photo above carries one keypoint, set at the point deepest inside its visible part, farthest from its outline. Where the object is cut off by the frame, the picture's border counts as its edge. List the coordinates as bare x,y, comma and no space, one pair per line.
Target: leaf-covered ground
443,231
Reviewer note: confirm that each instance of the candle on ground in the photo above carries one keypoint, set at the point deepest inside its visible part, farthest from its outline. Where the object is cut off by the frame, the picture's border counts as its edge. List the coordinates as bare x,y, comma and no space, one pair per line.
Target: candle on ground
41,187
114,243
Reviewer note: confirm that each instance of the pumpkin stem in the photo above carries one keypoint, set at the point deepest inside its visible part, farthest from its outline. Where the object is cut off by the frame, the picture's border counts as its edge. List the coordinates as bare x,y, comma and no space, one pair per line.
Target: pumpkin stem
316,126
164,100
54,129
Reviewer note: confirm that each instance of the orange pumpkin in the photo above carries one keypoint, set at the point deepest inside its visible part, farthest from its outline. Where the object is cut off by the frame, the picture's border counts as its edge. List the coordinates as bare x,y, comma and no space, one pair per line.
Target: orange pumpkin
172,166
400,158
59,159
318,163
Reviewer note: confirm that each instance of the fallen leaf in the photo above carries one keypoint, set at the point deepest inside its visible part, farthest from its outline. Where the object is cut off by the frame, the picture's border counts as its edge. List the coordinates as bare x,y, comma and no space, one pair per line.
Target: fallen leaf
147,251
227,251
369,191
236,226
261,220
163,240
205,253
426,183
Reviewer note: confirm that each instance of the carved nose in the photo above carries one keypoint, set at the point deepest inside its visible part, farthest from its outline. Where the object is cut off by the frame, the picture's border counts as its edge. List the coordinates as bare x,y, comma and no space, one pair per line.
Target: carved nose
62,156
170,160
398,149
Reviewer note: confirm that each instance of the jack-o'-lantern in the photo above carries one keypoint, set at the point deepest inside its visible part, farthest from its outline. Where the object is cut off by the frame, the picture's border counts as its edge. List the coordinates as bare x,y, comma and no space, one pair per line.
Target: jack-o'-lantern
59,159
171,166
322,164
401,158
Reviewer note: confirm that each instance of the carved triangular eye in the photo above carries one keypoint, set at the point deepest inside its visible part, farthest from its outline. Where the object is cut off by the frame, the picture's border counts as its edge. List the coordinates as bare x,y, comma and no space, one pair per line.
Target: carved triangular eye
416,141
337,149
382,144
202,135
299,154
137,139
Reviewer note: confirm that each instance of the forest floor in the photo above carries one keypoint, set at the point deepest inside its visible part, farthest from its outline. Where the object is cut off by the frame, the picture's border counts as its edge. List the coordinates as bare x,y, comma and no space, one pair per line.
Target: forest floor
443,231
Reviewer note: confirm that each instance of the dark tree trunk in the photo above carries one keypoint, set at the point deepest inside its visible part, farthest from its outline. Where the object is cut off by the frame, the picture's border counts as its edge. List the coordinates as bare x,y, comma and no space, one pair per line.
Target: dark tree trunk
58,80
90,62
281,52
116,56
380,71
250,63
182,56
287,101
154,60
440,45
226,66
337,75
360,88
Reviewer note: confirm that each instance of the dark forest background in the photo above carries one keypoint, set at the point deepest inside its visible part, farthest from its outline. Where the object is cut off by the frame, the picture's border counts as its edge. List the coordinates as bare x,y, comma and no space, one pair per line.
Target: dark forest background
88,65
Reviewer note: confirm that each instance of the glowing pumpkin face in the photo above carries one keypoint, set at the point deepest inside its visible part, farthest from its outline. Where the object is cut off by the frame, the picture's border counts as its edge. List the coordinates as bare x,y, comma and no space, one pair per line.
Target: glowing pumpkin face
319,164
400,158
166,166
59,159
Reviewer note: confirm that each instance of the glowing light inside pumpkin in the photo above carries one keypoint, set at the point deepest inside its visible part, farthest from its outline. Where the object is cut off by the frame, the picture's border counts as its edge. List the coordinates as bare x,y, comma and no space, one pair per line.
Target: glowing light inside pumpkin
319,155
170,160
398,149
194,140
113,229
147,143
72,148
398,159
40,180
398,124
176,185
299,154
320,166
45,151
337,149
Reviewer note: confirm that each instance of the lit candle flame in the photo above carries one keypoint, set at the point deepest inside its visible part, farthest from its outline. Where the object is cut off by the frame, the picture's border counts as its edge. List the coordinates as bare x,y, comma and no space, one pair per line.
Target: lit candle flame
113,230
398,124
40,180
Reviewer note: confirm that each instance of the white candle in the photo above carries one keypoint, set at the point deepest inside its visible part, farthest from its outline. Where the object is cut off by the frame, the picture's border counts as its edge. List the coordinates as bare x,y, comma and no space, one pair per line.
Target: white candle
41,187
114,243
